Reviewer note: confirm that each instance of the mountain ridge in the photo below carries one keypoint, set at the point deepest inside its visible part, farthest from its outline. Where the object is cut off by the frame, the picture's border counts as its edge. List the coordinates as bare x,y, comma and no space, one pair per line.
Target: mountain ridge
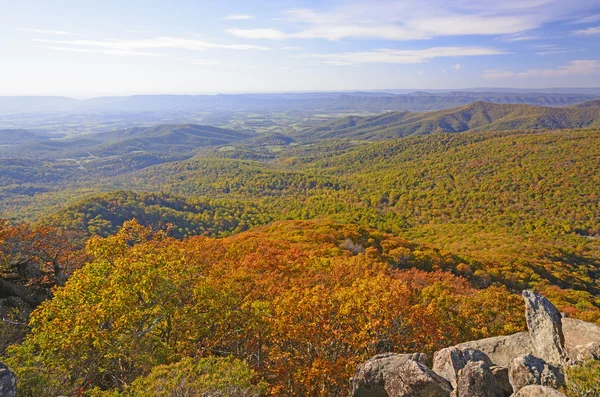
478,116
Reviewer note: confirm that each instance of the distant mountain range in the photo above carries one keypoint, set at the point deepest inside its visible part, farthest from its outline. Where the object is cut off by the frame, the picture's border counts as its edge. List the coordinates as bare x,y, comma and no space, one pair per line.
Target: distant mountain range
327,101
479,116
177,139
186,139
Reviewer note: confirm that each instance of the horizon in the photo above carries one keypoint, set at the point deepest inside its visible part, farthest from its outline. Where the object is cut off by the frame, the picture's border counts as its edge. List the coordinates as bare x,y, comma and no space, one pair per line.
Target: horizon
388,91
296,46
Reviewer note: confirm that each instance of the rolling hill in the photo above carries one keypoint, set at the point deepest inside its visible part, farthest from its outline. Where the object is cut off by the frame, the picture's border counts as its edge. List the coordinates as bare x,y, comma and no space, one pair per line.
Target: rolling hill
479,116
162,139
17,136
589,104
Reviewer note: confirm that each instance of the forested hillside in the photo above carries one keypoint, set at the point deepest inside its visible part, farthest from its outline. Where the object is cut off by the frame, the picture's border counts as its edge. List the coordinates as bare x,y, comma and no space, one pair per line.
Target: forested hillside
301,303
480,116
523,206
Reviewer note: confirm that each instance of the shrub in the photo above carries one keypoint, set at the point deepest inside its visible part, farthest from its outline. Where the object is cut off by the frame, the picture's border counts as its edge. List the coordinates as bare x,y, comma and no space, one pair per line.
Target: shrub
584,380
212,376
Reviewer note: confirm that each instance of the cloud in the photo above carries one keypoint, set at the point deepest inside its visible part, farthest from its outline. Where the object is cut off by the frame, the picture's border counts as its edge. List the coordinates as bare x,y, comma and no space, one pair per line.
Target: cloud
418,20
545,46
558,50
553,52
403,56
100,51
458,66
134,46
590,19
237,17
44,31
265,34
521,38
205,62
587,32
577,67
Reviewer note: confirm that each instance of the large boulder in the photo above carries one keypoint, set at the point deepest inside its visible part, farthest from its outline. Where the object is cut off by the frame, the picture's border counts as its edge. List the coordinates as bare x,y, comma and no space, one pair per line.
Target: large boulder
371,377
502,349
544,322
8,382
529,370
476,380
581,353
398,375
579,336
447,362
538,391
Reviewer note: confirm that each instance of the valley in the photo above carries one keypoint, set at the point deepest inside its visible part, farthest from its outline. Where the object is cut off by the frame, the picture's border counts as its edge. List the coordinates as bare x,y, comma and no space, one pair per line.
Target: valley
488,198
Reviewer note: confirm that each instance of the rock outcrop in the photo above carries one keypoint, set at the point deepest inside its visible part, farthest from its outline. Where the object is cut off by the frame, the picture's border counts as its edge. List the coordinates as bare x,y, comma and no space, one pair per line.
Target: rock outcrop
544,322
398,375
530,370
579,336
477,380
591,351
448,362
502,349
371,377
530,364
8,382
502,377
538,391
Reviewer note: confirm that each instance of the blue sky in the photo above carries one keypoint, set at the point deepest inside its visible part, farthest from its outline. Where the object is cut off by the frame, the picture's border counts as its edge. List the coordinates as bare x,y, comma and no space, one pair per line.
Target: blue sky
86,48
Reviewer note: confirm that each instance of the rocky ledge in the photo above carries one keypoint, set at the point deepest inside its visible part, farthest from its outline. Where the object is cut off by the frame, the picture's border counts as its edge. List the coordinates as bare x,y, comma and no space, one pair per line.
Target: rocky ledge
8,382
525,364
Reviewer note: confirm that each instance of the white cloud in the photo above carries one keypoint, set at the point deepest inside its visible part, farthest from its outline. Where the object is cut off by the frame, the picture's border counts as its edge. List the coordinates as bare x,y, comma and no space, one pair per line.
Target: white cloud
100,51
237,17
558,50
145,44
457,66
577,67
521,38
590,19
418,19
266,34
404,56
553,52
587,32
545,46
44,31
205,62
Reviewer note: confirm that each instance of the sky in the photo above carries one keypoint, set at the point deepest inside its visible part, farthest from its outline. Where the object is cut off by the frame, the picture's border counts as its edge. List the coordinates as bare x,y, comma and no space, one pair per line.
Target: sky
89,48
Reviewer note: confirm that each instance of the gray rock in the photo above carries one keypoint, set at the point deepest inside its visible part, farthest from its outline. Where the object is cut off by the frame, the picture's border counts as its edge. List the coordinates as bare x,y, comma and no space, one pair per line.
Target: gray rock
578,333
538,391
476,380
544,322
371,377
8,382
502,349
397,376
447,362
591,351
501,376
529,370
